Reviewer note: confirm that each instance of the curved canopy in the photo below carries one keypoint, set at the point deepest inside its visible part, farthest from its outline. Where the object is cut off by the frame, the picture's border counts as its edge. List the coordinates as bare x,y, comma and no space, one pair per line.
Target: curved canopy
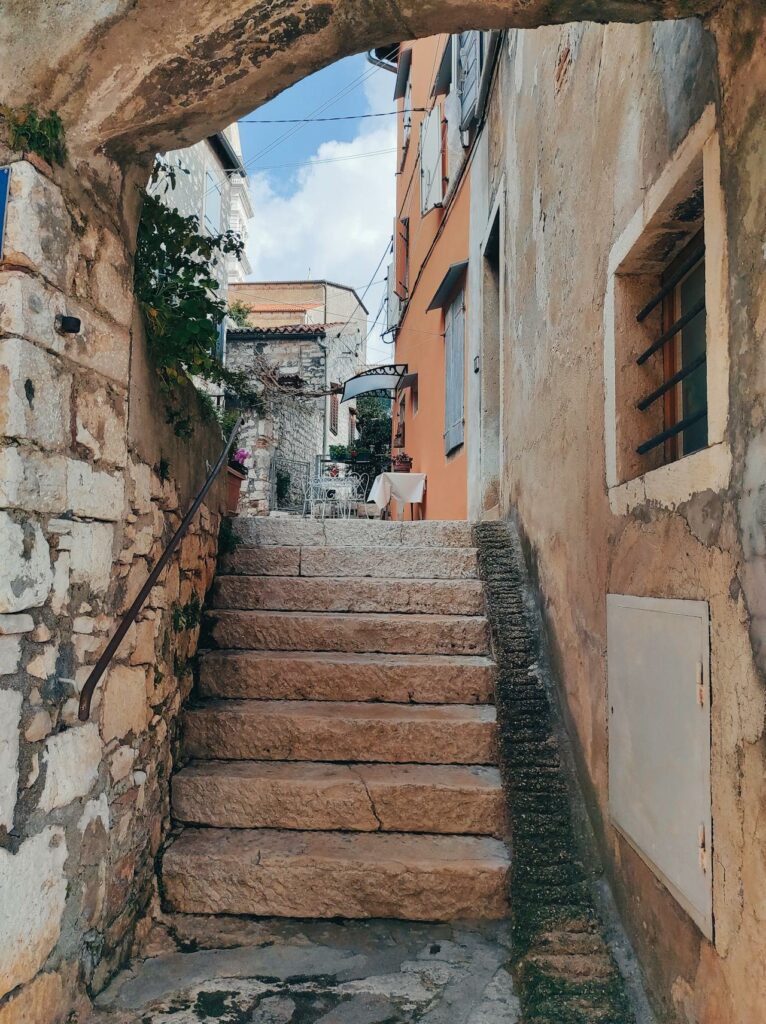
379,378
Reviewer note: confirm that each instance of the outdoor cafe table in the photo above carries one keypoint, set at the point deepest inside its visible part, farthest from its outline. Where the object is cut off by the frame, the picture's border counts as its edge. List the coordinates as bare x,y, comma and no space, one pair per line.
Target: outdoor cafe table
405,488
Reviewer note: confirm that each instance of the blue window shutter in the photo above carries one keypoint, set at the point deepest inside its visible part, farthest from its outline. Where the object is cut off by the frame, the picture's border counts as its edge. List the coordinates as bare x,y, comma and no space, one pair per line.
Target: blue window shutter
5,181
454,357
468,74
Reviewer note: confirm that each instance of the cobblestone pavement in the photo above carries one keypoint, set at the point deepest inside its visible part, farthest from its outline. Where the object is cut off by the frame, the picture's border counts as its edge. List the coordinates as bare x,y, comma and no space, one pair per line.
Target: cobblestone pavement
240,971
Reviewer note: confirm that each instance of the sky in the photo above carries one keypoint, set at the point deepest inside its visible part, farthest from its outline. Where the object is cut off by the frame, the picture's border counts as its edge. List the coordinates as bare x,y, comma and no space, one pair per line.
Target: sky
330,219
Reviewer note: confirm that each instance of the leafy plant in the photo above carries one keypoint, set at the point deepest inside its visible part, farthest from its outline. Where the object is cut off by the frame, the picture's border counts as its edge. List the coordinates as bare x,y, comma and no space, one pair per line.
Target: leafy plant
41,134
228,541
178,294
338,452
187,616
239,313
374,423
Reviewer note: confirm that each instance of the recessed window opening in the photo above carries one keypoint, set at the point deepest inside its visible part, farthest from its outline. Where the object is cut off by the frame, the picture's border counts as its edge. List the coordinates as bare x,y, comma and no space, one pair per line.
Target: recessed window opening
681,348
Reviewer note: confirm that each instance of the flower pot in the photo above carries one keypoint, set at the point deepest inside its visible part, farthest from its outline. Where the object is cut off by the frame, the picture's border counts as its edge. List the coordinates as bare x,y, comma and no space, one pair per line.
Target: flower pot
234,480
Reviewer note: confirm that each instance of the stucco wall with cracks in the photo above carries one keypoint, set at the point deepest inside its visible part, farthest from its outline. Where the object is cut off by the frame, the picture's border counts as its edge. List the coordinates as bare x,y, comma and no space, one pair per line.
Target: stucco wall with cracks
578,140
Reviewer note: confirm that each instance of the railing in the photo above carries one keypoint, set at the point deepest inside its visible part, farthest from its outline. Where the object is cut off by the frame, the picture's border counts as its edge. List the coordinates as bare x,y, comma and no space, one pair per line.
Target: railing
128,619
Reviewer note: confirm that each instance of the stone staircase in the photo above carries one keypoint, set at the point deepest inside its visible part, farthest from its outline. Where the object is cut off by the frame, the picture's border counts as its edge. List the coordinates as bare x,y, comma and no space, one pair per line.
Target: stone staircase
341,753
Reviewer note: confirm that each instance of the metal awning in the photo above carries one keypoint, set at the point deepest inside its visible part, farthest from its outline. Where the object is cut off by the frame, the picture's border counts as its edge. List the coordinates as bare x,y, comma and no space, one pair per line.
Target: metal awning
448,285
402,74
408,380
379,378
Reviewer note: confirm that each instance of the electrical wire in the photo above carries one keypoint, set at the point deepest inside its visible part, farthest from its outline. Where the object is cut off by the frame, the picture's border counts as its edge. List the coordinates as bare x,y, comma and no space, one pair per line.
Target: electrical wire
326,160
340,94
318,120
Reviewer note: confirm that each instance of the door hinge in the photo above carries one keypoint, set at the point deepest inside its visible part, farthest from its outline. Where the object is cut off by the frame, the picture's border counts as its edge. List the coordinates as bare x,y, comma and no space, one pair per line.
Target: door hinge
702,849
700,676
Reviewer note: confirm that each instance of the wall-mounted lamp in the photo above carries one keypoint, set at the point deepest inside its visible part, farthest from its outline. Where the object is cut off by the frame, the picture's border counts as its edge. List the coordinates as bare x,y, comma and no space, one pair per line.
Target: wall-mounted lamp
67,324
475,364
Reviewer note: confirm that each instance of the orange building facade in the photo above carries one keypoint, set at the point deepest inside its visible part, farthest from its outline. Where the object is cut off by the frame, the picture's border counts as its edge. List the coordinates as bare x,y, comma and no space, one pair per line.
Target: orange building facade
430,236
427,295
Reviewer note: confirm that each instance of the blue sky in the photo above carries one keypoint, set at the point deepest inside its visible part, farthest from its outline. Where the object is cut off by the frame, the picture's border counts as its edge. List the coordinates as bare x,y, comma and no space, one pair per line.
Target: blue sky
328,219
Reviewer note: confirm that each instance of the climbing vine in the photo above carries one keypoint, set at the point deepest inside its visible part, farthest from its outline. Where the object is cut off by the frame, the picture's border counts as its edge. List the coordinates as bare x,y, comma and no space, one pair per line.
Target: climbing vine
32,132
178,293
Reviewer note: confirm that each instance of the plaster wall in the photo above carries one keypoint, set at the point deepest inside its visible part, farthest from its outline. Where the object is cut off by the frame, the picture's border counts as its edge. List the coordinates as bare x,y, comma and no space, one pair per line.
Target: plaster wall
582,121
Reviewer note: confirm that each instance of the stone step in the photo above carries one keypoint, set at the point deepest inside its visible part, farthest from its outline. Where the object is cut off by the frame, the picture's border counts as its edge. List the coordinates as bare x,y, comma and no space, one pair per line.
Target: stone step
299,675
387,633
292,531
267,872
322,594
304,730
404,563
450,799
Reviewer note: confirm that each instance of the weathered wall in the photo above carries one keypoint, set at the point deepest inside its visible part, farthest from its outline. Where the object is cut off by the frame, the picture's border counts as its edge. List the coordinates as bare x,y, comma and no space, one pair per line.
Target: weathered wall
92,482
588,131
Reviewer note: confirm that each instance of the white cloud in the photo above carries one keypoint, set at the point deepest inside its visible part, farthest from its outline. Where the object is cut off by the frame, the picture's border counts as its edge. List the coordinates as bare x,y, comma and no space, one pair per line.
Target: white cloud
339,218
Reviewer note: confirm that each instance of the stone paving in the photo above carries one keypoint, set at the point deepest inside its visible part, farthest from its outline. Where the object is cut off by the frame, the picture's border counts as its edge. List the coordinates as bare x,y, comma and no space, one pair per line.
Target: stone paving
254,971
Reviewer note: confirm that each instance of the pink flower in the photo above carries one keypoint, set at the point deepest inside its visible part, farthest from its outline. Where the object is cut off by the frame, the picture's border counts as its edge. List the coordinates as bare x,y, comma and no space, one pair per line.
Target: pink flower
240,455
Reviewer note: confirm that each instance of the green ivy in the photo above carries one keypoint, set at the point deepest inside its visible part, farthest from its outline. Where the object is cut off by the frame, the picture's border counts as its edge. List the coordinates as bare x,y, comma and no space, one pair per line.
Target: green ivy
35,133
178,293
239,313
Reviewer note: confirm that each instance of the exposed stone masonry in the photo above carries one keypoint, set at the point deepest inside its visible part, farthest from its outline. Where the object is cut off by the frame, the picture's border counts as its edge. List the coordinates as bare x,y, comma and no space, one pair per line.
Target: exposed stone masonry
343,762
563,967
88,498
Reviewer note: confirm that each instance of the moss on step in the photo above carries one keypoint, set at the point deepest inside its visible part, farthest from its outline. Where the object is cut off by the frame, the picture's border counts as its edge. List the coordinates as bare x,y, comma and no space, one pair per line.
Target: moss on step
563,968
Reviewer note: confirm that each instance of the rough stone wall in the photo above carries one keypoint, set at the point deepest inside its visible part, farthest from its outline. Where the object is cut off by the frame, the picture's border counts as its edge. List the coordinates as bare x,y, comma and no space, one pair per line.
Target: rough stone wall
293,427
608,106
91,485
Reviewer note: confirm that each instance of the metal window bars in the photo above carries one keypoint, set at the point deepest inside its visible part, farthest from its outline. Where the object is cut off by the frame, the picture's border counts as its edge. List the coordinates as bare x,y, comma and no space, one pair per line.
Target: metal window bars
691,314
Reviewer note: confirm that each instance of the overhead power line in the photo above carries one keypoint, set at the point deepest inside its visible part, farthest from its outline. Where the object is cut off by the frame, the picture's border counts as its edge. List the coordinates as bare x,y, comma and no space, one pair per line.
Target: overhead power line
317,120
325,160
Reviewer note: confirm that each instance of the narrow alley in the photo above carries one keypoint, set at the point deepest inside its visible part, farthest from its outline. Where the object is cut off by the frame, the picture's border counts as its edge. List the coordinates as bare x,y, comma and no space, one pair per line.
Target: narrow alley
382,530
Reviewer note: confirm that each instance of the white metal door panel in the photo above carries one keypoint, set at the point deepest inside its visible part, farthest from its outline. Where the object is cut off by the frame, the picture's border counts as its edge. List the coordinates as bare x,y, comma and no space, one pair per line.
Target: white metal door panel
658,655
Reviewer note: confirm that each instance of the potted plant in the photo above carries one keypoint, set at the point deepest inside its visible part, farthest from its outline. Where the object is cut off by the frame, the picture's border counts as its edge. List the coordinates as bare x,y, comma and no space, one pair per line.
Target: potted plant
236,471
402,462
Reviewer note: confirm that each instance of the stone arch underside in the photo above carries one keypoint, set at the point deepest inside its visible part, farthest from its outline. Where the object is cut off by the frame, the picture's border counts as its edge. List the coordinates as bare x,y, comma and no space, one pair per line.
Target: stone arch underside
135,76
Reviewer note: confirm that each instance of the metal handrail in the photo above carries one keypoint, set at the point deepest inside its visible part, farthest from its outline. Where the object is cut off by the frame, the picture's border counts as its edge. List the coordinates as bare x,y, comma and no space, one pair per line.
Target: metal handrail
99,668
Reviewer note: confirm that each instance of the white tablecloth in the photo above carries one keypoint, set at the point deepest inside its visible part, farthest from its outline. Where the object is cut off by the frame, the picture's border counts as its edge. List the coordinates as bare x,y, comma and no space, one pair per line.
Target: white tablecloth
406,488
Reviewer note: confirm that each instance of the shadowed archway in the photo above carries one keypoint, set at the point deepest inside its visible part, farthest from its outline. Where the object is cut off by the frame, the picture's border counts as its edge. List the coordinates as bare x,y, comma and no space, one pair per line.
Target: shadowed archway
132,76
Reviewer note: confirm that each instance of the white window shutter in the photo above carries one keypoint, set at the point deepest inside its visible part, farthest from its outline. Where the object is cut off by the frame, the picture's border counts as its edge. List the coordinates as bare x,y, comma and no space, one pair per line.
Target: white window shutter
468,73
392,299
454,356
431,161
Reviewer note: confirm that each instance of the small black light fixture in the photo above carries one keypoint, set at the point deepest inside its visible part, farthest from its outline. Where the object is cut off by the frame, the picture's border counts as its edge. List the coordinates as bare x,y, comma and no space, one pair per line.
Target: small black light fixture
475,364
67,324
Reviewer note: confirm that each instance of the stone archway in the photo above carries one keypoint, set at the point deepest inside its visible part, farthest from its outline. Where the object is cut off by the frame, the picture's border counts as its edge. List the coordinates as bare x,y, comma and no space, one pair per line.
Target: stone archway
130,77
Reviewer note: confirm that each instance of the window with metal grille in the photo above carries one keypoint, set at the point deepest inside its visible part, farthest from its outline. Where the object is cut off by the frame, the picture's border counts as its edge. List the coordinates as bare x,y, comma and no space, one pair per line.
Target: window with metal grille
454,359
334,410
681,347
